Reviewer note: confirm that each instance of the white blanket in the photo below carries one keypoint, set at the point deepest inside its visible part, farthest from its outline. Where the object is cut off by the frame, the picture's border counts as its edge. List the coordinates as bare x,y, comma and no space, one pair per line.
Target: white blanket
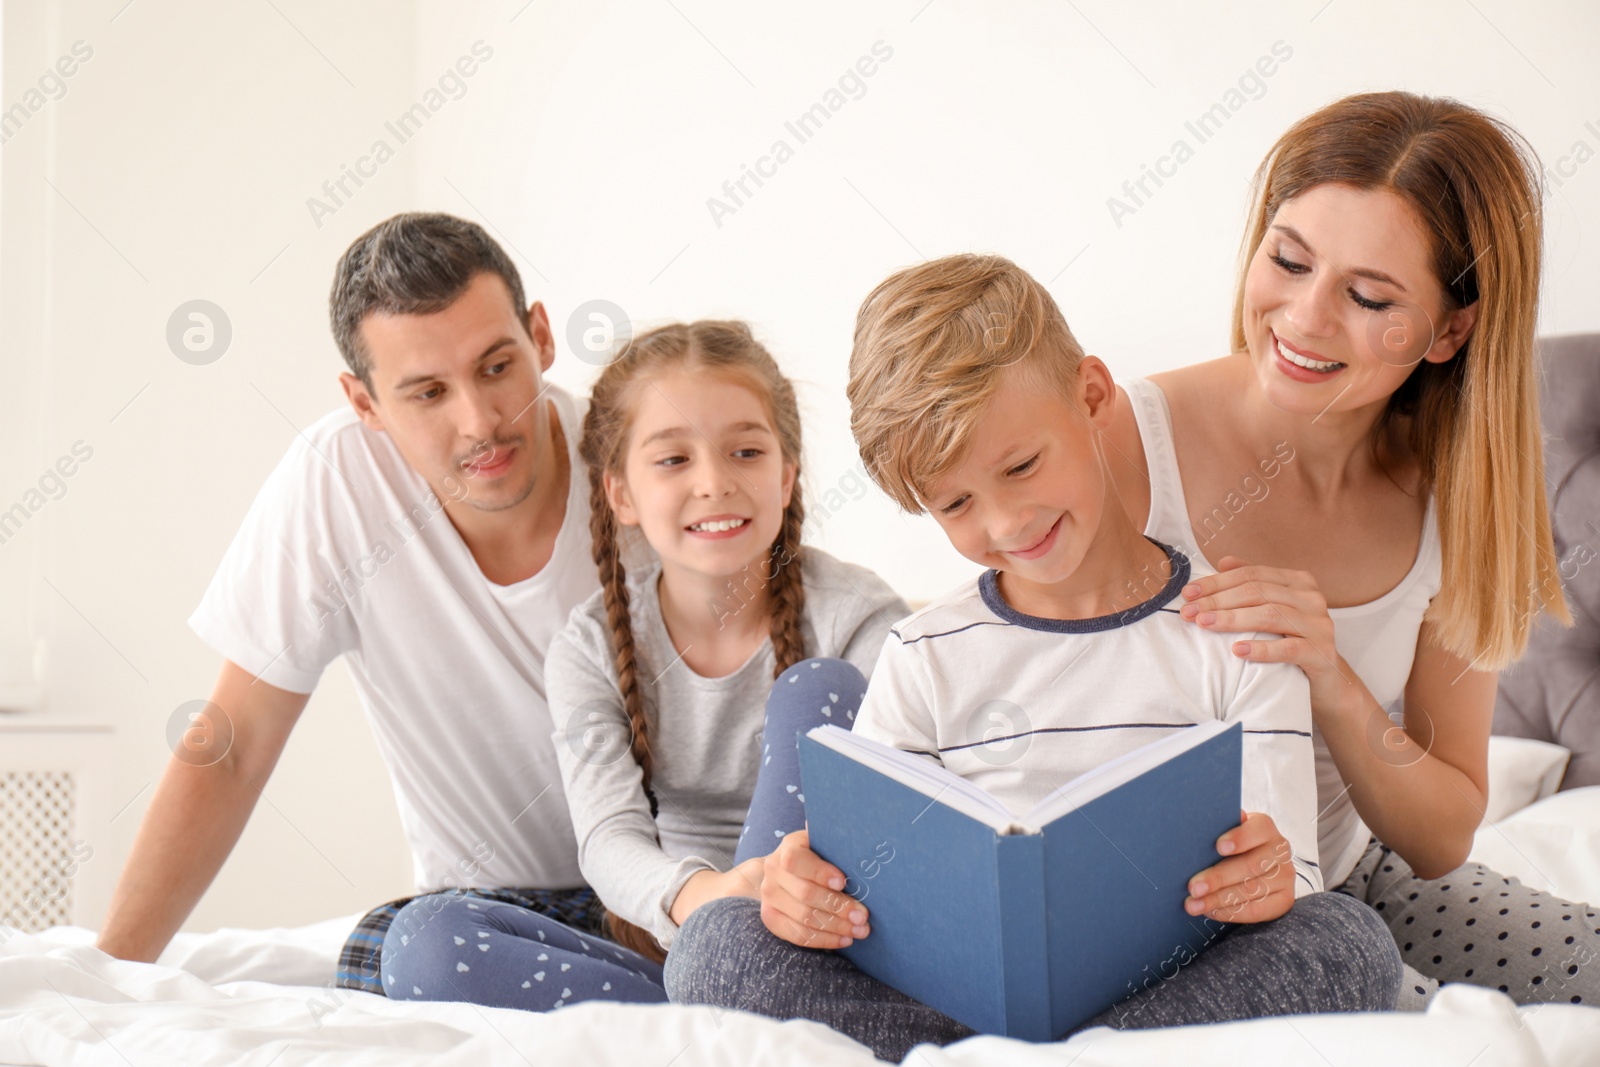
250,998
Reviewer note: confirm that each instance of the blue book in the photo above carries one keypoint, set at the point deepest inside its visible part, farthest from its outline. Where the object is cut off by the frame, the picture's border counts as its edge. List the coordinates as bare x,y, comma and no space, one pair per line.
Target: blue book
1025,925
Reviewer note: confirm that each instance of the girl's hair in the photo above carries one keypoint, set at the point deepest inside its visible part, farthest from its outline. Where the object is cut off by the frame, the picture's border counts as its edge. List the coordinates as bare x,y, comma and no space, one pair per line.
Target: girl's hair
723,348
1473,183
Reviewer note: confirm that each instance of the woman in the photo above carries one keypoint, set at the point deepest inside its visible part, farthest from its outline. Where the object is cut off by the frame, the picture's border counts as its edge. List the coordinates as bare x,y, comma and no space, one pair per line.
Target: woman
1366,472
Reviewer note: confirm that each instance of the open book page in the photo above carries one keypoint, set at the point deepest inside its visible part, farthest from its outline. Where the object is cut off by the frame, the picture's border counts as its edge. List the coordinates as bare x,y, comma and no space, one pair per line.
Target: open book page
1125,768
918,772
945,787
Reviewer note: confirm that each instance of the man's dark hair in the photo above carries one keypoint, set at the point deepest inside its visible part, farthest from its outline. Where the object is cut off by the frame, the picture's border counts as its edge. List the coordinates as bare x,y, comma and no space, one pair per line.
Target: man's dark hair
412,264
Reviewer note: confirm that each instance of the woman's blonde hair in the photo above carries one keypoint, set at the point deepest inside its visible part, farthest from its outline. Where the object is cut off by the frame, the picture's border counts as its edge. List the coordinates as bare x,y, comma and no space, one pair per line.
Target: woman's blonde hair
1474,419
725,348
931,343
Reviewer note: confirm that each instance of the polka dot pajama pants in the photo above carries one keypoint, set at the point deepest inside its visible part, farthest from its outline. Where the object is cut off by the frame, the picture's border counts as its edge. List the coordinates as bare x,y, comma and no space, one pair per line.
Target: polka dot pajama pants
807,695
453,946
1476,926
467,948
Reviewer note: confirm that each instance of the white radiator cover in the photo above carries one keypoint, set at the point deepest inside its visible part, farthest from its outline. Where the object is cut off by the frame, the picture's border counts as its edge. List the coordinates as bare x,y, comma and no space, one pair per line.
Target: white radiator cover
59,828
39,856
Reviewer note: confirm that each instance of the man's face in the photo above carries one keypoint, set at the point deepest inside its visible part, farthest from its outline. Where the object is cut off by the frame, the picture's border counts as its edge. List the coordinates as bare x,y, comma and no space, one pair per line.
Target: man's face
457,391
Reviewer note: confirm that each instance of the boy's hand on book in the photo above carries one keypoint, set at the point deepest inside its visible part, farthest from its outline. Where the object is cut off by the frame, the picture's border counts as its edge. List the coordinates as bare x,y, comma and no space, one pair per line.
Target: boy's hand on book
802,899
1255,883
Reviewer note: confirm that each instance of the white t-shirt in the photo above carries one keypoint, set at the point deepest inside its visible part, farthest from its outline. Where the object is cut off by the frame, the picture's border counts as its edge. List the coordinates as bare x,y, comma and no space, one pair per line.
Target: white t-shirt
1021,705
1377,639
347,550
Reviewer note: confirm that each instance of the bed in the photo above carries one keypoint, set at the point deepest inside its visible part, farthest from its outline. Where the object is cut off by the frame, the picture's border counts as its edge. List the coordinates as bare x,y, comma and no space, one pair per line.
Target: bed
250,998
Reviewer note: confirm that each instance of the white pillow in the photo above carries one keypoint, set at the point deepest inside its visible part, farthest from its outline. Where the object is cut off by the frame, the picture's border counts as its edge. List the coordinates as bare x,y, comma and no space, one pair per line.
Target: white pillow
1521,771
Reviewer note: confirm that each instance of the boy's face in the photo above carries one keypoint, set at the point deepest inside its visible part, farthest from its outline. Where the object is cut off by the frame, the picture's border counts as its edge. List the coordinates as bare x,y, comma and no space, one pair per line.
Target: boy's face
1028,497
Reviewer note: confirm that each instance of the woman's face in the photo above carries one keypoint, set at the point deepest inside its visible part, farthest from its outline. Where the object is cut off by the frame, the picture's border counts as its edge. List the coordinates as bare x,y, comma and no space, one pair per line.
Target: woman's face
1341,303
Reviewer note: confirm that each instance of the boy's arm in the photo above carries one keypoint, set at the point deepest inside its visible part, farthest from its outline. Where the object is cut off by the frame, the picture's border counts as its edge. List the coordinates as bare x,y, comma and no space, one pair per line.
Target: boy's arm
898,707
1274,850
196,816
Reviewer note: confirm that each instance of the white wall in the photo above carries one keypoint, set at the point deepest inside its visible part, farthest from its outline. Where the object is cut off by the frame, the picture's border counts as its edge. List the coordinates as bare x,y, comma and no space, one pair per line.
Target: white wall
183,151
590,141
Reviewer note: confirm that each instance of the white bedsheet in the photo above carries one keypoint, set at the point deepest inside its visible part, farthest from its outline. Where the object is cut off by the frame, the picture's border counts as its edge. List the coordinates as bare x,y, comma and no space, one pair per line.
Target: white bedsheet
250,998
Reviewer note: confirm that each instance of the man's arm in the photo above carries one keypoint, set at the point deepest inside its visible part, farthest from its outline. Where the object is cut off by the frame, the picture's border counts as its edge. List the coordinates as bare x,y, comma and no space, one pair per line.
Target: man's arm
196,816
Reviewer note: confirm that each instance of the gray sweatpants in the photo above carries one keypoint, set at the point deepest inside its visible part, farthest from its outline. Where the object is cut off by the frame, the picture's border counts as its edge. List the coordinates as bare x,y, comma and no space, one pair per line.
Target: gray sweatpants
1476,926
1328,954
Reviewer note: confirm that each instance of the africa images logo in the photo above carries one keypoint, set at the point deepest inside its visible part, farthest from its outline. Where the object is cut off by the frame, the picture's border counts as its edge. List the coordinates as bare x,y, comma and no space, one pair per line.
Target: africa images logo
1251,85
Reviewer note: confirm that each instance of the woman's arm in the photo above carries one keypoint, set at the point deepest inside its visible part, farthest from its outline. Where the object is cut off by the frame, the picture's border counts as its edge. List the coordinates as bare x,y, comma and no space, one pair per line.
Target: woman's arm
1421,789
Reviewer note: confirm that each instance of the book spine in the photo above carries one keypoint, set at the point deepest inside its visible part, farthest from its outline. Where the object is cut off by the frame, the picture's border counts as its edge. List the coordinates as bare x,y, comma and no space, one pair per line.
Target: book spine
1024,941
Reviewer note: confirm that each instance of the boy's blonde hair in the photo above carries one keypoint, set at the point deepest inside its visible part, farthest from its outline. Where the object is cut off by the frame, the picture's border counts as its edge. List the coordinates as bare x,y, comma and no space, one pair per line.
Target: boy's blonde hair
931,344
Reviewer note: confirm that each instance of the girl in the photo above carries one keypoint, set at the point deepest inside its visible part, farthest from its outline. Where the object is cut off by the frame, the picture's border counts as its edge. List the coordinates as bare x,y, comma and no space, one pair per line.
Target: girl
1383,380
657,685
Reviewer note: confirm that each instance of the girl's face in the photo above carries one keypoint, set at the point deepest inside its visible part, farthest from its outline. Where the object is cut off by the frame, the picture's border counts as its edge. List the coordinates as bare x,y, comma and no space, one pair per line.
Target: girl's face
703,476
1341,303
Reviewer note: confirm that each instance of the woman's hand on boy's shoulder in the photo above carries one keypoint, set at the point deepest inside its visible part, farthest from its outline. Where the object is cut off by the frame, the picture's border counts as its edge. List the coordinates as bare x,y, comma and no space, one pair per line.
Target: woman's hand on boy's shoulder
1245,598
802,898
1255,883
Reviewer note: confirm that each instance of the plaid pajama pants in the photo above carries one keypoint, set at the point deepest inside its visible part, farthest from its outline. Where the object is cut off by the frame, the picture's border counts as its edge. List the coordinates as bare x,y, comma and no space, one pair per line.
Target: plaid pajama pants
360,961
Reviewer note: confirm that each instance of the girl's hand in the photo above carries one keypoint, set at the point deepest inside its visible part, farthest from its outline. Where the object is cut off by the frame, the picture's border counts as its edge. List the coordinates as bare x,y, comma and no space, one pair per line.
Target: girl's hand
1244,599
705,886
745,879
801,898
1254,884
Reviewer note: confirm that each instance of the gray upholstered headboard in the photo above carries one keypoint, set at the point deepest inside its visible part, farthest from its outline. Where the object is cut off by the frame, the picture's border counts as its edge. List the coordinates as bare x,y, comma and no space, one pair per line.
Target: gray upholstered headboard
1553,692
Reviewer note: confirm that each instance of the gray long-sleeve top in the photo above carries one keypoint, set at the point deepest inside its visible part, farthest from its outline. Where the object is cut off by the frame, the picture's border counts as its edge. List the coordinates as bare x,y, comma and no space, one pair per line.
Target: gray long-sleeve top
705,735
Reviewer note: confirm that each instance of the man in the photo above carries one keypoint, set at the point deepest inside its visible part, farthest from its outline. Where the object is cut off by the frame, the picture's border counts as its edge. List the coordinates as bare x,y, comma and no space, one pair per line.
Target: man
437,535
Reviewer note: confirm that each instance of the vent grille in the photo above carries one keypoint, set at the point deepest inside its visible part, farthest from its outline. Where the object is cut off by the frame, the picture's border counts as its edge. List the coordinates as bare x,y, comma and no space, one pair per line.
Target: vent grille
36,862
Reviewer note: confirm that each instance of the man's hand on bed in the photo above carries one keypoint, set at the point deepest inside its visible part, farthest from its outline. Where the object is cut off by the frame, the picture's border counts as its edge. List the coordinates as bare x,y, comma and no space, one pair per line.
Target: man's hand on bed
802,898
1255,883
196,815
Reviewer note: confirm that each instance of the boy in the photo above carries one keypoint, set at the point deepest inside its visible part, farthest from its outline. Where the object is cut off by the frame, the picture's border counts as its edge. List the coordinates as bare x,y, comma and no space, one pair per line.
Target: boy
970,399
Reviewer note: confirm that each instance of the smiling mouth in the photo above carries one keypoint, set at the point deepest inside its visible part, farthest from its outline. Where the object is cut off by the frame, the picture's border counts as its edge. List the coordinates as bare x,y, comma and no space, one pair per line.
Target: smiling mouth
1035,548
1290,355
718,525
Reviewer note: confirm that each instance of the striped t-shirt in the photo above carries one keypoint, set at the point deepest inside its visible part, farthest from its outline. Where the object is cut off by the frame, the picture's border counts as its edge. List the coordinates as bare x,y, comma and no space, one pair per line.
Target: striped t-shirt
1020,704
